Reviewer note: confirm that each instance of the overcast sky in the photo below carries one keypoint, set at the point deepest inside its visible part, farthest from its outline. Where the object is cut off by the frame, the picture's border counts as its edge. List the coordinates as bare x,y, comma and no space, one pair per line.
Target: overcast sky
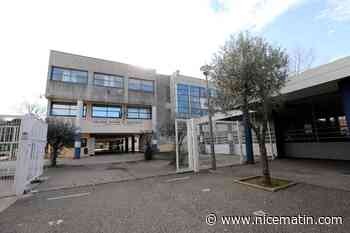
166,35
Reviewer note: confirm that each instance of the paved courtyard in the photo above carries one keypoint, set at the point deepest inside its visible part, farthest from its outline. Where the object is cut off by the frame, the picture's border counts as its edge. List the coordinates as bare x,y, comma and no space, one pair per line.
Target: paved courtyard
78,173
180,203
114,168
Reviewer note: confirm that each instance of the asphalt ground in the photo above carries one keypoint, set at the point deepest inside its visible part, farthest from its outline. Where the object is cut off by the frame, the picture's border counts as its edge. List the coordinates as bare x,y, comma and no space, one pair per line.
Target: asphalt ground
174,203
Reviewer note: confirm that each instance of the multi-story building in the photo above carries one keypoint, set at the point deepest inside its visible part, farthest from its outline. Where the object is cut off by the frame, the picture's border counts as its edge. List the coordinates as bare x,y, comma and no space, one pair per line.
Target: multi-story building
116,106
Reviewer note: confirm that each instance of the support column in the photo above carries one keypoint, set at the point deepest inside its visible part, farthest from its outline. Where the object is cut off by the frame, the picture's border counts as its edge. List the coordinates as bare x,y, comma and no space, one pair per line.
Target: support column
91,146
154,129
248,140
126,144
77,143
132,144
345,92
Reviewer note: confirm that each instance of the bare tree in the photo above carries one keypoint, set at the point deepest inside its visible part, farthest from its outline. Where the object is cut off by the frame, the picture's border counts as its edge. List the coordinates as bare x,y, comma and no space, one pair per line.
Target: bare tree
301,59
248,72
33,108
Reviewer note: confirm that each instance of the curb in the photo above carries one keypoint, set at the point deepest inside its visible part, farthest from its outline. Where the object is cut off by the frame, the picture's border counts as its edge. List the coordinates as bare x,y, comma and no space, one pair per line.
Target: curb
6,202
103,183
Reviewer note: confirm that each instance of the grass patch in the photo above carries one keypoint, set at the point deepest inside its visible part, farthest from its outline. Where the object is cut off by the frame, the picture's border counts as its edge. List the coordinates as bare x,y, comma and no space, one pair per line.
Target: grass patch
256,182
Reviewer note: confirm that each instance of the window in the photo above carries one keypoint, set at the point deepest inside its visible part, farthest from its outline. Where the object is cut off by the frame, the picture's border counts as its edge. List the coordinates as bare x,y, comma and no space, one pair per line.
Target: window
69,75
147,86
139,113
63,109
141,85
108,80
106,111
134,84
66,109
183,107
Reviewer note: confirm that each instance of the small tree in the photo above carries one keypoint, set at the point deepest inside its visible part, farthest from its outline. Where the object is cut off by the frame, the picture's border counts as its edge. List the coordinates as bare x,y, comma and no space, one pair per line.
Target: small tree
59,134
167,129
249,71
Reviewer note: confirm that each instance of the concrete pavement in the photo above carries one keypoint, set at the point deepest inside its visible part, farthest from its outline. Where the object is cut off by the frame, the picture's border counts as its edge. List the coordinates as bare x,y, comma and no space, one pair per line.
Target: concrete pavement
165,204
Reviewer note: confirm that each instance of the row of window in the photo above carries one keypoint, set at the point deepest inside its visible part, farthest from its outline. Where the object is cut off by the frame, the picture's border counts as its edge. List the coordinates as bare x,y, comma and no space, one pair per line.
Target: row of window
105,80
100,111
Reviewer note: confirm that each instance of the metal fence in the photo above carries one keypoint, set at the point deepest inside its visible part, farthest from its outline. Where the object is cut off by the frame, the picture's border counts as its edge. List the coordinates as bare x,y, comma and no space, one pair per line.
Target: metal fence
193,150
22,149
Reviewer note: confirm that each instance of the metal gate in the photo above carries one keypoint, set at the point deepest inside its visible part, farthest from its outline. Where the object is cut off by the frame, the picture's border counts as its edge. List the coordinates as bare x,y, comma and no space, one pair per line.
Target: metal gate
227,139
22,149
193,144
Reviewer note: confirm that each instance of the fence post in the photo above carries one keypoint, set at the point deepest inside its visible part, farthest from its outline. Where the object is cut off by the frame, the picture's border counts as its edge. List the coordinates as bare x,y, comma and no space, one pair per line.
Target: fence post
195,152
242,160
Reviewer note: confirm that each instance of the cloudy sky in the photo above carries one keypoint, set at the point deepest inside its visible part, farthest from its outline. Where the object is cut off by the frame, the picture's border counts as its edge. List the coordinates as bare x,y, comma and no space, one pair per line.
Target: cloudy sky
163,34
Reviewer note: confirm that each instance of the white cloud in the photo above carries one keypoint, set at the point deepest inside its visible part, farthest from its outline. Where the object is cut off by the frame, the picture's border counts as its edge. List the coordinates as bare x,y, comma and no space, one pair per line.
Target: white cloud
337,10
160,34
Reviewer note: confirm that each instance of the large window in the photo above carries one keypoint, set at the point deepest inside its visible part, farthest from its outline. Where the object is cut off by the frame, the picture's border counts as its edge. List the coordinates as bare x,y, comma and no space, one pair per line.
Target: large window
191,101
139,113
69,75
106,111
108,80
141,85
65,109
183,109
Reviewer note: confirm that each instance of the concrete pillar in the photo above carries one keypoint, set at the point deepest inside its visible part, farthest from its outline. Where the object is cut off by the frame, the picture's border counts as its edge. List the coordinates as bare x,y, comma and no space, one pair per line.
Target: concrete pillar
126,144
132,144
154,129
345,92
91,146
77,143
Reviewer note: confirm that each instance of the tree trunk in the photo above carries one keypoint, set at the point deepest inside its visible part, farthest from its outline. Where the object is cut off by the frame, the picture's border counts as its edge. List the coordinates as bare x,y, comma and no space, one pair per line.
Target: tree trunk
54,157
266,179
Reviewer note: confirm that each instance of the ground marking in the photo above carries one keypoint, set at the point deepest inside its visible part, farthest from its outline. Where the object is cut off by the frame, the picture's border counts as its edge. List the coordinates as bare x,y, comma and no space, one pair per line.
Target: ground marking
260,213
58,222
206,190
68,196
177,179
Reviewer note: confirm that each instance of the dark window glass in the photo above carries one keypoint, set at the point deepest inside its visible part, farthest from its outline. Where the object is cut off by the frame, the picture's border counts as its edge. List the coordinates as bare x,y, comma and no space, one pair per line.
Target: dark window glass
139,113
107,80
106,111
69,75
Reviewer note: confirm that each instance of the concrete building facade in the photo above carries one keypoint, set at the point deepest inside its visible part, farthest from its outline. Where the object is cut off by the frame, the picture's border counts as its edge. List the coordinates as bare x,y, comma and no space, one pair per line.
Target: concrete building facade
117,106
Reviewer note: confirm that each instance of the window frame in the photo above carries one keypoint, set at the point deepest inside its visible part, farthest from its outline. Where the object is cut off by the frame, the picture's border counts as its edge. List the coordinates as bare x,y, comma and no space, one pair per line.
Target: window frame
109,75
70,104
139,113
70,70
106,106
141,85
